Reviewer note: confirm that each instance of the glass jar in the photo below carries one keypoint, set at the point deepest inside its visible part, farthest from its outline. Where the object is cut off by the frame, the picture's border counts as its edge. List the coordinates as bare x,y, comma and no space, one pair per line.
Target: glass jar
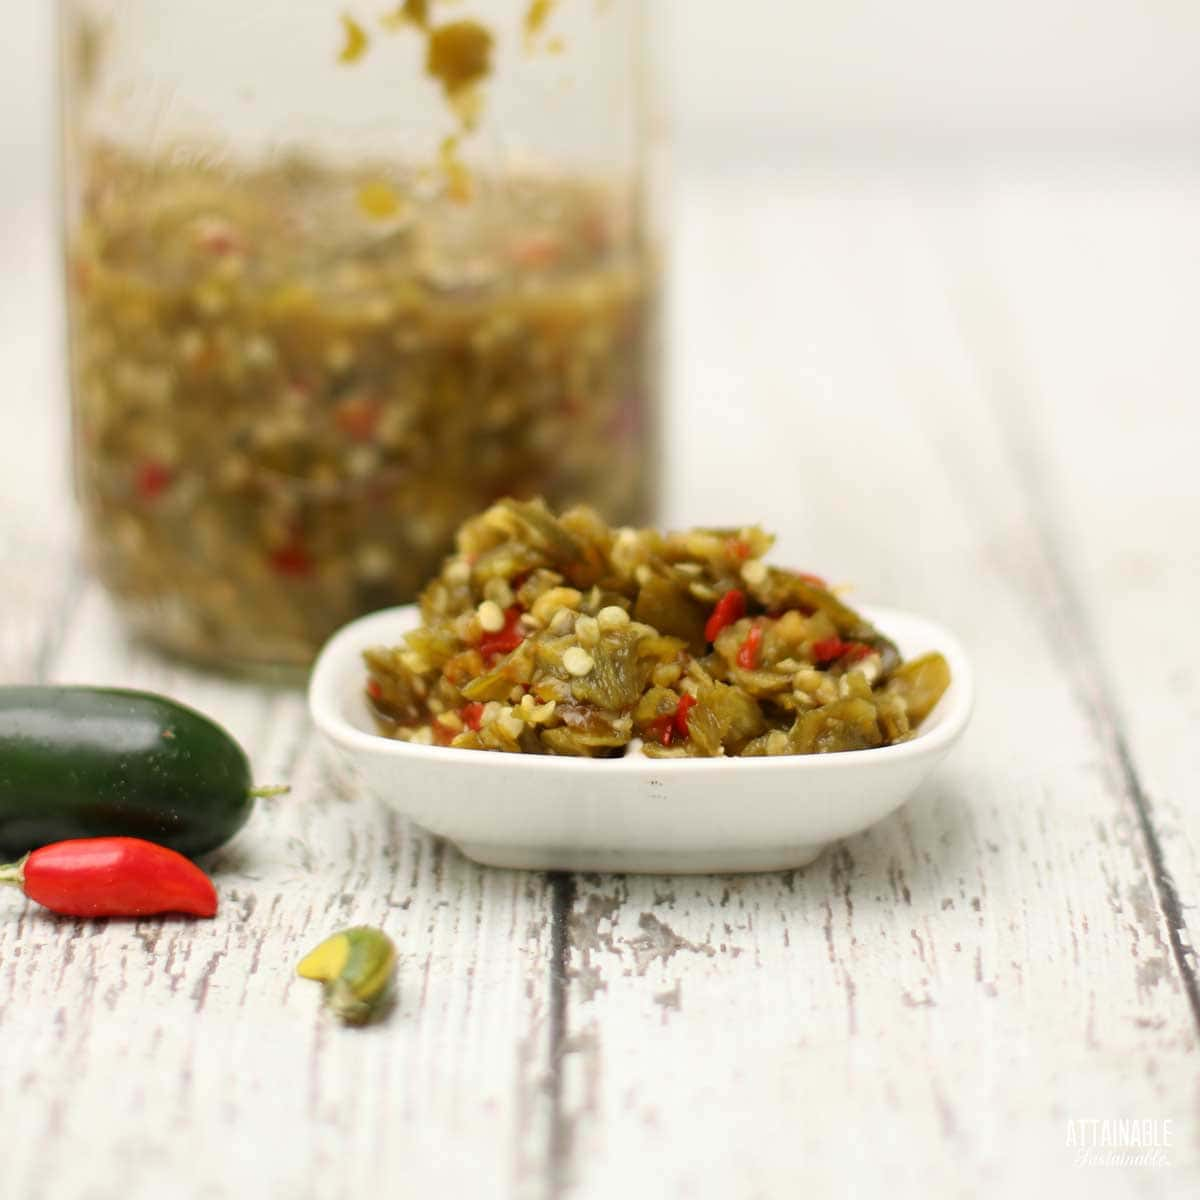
337,281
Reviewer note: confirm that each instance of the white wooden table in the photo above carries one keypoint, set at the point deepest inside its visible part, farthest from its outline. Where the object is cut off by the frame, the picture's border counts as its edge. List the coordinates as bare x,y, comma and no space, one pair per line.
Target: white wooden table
970,389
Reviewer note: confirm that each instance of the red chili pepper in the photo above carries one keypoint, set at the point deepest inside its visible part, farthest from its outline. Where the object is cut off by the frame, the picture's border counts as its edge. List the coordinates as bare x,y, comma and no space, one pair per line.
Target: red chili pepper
291,560
680,724
472,715
829,649
374,689
748,651
731,607
495,645
738,547
153,478
112,877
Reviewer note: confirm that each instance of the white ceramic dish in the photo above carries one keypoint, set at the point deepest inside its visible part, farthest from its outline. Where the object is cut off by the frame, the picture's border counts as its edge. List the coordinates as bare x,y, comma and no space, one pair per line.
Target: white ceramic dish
669,816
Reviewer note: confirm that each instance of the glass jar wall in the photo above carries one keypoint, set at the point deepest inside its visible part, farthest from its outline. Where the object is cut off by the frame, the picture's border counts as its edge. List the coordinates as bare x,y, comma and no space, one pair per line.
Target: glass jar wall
338,280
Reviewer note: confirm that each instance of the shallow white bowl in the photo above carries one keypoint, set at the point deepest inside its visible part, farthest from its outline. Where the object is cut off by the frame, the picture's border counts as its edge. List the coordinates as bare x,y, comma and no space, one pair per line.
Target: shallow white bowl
677,816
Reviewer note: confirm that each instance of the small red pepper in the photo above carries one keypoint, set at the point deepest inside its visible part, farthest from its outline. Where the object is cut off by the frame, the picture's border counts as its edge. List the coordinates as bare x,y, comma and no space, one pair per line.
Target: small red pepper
112,877
495,645
472,715
738,548
731,607
374,689
749,650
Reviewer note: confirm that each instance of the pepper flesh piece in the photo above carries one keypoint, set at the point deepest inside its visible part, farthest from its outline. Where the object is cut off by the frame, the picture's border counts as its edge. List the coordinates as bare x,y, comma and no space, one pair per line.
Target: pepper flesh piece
830,649
680,721
153,478
731,607
495,645
292,561
112,877
670,726
749,650
663,728
356,967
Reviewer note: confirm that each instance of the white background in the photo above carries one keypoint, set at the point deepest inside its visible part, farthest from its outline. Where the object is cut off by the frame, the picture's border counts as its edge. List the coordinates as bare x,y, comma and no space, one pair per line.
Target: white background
755,80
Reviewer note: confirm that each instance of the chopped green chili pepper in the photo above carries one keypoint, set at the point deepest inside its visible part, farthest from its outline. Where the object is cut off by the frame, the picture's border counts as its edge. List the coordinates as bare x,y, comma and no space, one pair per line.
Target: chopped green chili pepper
356,966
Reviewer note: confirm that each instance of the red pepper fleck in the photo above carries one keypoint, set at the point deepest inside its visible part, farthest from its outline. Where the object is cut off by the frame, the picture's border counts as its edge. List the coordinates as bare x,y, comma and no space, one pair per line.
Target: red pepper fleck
731,607
495,645
662,728
291,560
739,548
358,418
669,726
443,735
374,689
815,580
153,478
829,649
749,650
218,237
112,877
81,276
680,723
536,250
596,230
472,715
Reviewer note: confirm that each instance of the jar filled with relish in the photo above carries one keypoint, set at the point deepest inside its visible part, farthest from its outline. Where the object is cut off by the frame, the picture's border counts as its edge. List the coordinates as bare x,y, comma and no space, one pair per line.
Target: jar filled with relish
338,279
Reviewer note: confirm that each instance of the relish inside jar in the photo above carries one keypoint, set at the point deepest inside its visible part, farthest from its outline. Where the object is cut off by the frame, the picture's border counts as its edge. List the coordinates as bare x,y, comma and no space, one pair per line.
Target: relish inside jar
293,383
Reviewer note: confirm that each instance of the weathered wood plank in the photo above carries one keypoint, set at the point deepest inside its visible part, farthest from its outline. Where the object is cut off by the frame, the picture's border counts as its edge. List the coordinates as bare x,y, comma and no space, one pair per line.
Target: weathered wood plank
163,1057
923,1010
1099,385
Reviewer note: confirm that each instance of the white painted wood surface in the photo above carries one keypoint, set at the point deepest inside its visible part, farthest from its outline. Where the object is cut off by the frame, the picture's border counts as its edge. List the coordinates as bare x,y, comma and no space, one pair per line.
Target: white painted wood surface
967,388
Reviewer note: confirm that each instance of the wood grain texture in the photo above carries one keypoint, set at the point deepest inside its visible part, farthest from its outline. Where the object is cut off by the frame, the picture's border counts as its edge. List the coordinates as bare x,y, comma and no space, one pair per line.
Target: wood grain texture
925,1008
1111,262
169,1057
